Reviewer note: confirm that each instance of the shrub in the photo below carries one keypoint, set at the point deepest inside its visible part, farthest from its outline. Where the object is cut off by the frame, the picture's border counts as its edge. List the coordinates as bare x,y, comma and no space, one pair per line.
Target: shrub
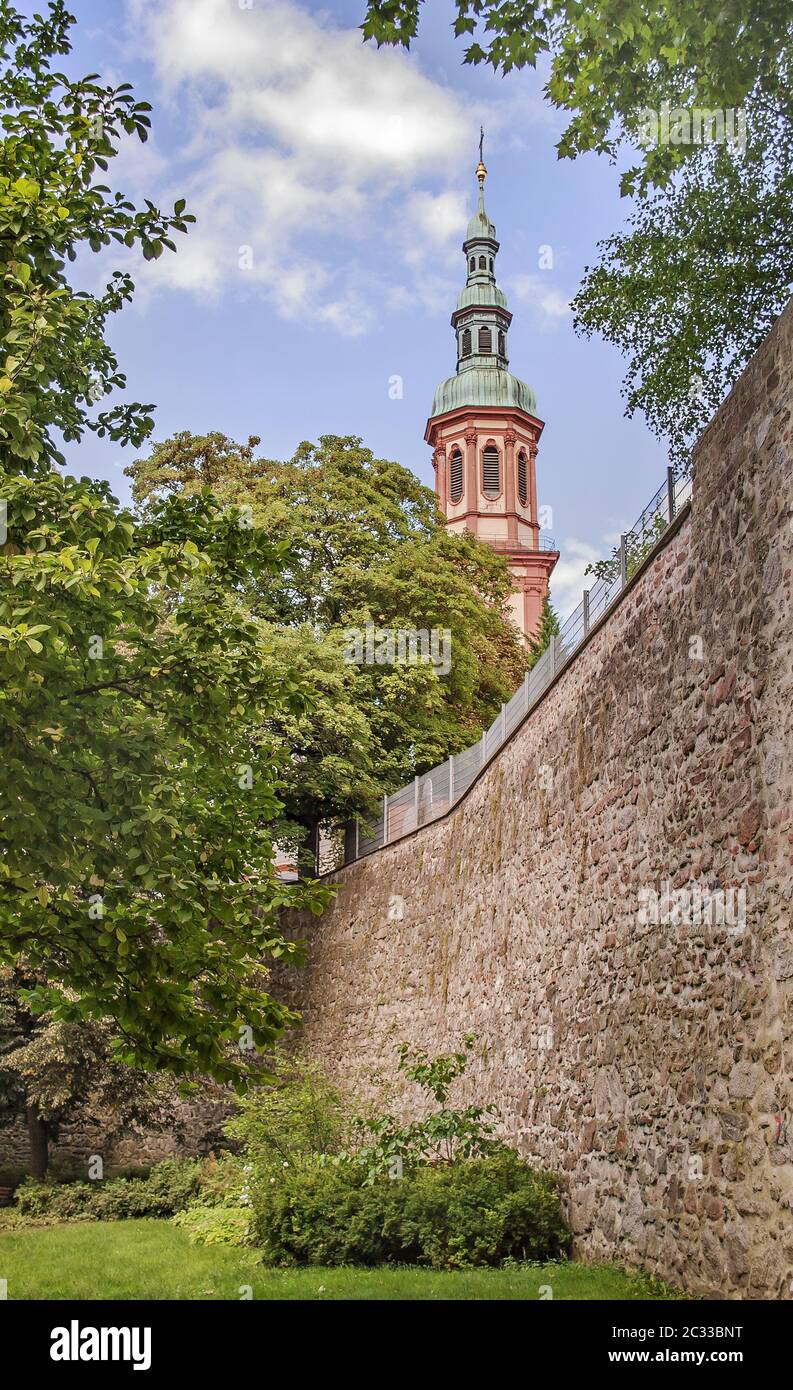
483,1211
170,1185
168,1188
120,1199
58,1201
217,1225
223,1182
291,1120
327,1215
478,1211
444,1135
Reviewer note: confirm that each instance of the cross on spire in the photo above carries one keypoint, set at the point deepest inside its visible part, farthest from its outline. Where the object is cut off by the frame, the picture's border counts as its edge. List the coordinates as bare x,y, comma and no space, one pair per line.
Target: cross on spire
480,168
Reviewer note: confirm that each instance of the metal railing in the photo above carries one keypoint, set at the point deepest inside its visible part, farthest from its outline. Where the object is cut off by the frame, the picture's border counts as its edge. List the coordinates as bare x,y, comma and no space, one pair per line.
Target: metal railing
431,795
500,542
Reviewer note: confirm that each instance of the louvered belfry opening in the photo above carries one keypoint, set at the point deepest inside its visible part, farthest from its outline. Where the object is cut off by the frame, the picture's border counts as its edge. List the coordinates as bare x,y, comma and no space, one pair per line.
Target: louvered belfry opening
485,340
491,471
466,351
456,475
523,478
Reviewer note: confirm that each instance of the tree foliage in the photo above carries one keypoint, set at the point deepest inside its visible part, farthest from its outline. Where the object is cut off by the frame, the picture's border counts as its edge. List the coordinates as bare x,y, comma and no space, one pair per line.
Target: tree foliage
612,59
58,136
693,286
362,544
549,627
136,687
53,1071
139,774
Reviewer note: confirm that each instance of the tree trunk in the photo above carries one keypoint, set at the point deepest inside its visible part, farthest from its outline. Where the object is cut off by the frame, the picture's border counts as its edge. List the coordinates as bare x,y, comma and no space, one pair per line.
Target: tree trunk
308,853
39,1140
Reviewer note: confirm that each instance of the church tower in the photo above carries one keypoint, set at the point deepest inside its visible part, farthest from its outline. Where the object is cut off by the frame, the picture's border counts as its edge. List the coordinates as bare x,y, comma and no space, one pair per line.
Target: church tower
484,430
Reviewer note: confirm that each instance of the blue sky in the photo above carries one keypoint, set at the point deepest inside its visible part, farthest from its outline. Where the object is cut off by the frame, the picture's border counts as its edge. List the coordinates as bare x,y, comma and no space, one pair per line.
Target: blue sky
332,183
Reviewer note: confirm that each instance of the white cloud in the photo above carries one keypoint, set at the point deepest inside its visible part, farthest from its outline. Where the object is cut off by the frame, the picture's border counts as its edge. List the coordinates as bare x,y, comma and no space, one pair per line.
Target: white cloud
569,579
440,217
314,86
535,291
302,143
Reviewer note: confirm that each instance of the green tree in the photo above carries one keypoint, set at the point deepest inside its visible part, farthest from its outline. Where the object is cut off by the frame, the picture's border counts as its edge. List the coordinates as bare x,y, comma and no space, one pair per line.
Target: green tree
363,545
693,286
692,289
297,1115
52,1071
612,60
549,627
140,778
58,137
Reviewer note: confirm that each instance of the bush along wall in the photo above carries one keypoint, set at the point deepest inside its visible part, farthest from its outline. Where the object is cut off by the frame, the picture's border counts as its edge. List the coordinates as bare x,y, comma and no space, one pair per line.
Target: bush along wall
479,1211
440,1191
318,1184
168,1188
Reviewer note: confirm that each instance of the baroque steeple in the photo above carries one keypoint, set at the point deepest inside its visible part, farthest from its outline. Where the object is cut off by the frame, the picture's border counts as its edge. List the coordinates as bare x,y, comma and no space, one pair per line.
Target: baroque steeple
481,322
484,428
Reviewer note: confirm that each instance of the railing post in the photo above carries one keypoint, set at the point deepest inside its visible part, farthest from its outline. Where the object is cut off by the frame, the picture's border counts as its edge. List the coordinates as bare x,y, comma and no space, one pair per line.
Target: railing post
554,640
526,681
670,492
503,723
483,745
586,612
357,838
416,798
385,820
623,561
451,779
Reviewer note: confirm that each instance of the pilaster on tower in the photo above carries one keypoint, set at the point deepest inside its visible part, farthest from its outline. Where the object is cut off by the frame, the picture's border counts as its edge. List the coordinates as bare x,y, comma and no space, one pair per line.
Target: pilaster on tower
484,431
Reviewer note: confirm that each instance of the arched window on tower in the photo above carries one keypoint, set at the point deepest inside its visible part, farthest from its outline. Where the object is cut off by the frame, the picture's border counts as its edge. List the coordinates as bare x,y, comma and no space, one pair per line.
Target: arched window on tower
491,265
523,478
491,471
482,263
472,264
485,340
502,345
465,345
455,475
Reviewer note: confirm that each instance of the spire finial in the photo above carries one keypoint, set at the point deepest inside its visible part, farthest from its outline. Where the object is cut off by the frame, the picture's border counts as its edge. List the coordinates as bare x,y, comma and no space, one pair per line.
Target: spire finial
481,171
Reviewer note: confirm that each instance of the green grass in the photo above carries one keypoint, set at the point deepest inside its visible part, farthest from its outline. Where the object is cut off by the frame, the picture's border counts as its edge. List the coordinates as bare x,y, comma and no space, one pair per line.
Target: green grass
154,1260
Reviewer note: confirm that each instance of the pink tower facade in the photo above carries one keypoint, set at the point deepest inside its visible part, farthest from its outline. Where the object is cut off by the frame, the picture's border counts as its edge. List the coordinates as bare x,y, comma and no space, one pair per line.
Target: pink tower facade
484,432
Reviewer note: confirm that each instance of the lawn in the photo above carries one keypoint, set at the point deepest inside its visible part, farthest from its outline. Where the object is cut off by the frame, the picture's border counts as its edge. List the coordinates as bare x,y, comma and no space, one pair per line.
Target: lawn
154,1260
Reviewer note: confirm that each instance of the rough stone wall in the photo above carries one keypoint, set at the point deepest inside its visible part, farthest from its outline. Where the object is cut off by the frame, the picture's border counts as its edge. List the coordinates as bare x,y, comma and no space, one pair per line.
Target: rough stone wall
194,1129
631,1057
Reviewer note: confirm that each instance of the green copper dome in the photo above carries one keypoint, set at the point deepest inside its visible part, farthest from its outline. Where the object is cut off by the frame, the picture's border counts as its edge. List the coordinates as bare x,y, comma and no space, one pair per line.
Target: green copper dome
489,385
481,323
481,293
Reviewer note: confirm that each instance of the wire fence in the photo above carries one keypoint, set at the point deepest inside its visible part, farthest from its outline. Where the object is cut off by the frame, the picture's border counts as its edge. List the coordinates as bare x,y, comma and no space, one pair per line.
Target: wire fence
430,795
